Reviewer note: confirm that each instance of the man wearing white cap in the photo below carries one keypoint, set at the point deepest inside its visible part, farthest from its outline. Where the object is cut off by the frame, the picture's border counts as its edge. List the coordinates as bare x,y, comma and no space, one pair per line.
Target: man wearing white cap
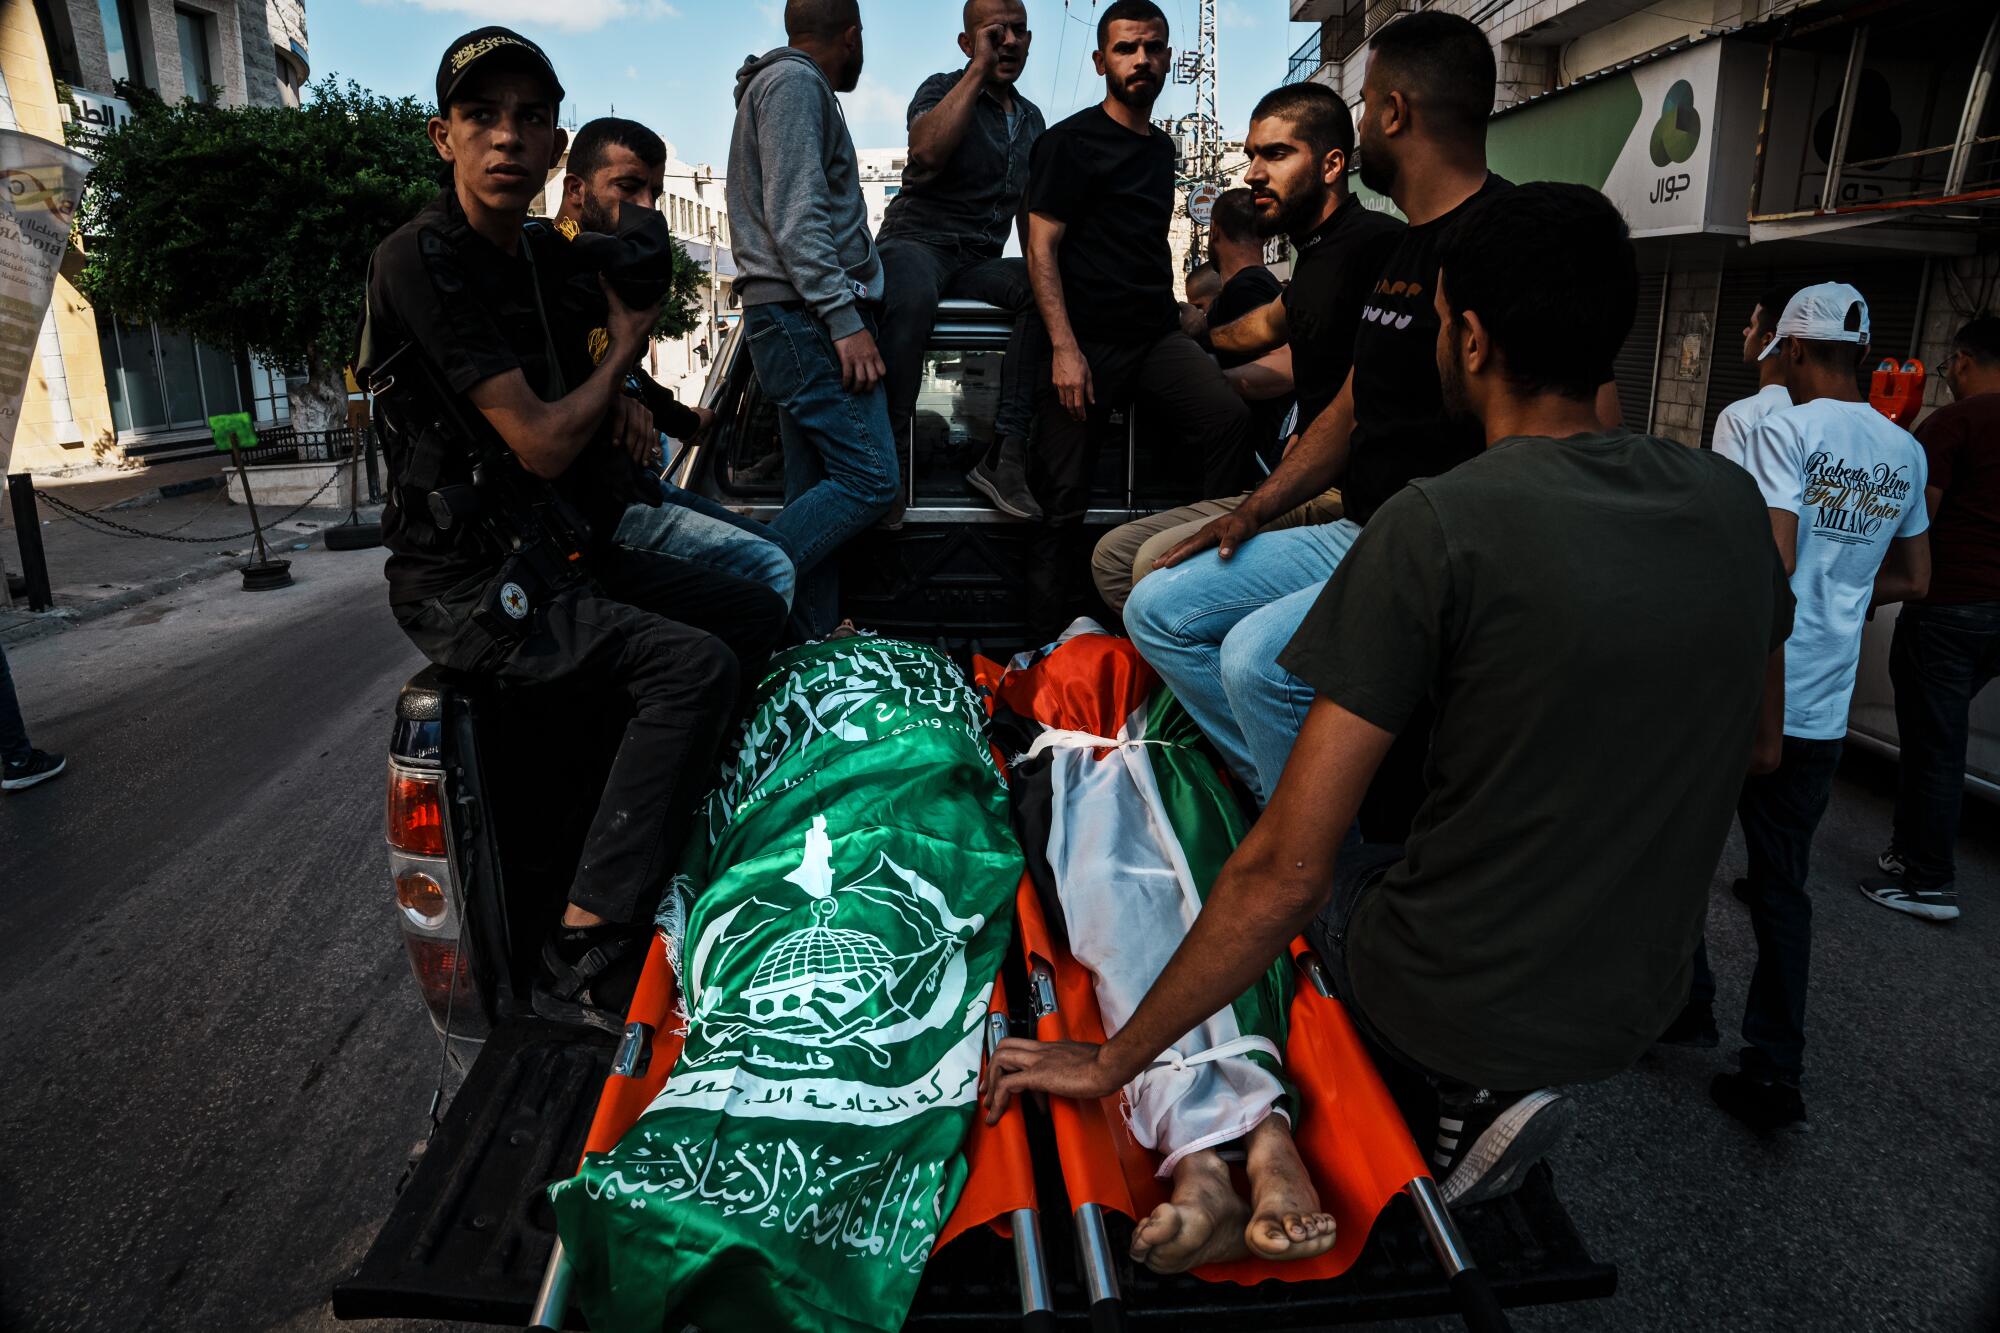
1845,488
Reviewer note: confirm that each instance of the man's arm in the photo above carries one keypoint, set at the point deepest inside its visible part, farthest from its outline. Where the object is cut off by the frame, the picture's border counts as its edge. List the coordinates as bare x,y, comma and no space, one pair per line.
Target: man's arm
546,436
1262,898
1071,372
1307,469
1256,333
1905,575
1785,532
1269,376
936,134
1767,750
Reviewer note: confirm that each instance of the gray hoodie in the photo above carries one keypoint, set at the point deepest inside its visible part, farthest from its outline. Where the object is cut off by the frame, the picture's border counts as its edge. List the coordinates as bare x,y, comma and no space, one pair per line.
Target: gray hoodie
797,221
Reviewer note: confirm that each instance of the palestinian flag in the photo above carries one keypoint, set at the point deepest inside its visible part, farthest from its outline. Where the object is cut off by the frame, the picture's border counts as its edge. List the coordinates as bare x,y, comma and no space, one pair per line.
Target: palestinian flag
849,913
1128,820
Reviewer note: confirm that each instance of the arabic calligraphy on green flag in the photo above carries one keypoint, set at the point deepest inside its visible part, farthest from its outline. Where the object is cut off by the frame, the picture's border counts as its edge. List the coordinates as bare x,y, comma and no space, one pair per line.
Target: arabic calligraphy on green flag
848,917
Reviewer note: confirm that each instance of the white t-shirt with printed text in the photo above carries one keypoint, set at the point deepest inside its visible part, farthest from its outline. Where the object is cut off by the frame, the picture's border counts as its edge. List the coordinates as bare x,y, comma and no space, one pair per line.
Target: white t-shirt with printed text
1740,417
1856,481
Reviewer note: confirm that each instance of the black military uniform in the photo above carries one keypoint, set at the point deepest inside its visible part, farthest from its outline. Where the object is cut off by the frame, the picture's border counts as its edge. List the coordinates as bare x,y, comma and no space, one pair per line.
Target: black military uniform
447,311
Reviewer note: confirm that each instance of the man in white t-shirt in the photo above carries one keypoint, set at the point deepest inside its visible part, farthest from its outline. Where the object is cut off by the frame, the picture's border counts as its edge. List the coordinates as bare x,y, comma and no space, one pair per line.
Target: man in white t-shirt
1739,417
1845,489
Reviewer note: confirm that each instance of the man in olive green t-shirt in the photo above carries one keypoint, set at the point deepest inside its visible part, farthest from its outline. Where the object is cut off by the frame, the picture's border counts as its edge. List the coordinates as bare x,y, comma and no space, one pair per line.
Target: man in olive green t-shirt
1598,620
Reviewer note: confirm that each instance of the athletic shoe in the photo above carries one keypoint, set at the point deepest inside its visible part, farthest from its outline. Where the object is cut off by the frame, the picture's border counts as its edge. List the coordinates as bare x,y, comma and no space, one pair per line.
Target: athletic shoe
1930,904
1890,862
1002,478
38,767
1764,1104
1486,1140
1694,1027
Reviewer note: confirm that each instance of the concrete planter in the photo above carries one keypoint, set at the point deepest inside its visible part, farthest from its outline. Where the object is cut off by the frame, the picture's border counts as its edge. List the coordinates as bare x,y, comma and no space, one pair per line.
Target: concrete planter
281,486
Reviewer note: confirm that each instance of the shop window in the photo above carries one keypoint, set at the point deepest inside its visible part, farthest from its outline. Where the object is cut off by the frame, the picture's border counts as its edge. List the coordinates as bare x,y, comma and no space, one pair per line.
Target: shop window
270,397
160,379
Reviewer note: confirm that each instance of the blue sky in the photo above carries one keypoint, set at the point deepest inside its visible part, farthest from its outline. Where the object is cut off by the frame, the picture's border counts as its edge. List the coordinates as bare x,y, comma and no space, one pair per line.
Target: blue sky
673,64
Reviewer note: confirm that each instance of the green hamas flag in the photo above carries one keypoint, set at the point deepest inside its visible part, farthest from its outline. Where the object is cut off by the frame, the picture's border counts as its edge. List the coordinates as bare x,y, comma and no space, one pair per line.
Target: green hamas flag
849,915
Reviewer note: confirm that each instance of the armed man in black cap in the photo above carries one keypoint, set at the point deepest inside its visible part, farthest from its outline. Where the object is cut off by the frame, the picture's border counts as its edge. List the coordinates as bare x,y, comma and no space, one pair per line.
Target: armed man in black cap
500,517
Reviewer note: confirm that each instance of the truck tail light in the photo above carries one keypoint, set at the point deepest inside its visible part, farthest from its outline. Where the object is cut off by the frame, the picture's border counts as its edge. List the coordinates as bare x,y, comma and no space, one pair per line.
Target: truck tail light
427,901
416,811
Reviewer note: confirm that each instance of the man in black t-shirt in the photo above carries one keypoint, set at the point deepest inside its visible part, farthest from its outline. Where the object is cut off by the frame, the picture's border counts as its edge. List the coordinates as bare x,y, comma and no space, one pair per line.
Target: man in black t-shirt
1594,719
1100,201
460,351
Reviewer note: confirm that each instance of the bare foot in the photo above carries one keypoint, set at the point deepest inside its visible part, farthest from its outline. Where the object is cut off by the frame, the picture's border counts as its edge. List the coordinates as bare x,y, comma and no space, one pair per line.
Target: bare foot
1201,1224
1285,1217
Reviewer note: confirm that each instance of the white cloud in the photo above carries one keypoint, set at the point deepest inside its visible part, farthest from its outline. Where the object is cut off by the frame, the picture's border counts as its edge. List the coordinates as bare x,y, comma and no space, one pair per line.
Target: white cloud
1235,15
631,71
872,103
570,16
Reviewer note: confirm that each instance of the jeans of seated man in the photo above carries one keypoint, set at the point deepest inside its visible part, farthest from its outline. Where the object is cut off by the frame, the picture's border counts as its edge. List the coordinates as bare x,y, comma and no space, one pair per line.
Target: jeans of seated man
1213,629
840,456
709,536
1779,812
1127,553
1939,660
917,275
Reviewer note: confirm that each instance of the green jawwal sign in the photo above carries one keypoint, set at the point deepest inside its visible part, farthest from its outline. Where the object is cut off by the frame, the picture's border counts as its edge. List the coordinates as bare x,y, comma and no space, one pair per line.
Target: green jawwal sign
1645,136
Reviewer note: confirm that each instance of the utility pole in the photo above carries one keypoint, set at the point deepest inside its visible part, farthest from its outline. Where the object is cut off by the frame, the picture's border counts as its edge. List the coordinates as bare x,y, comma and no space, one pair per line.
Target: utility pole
1204,139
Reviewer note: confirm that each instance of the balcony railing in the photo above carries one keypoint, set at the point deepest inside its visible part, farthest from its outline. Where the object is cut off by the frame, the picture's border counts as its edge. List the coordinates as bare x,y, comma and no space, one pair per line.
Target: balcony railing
1304,60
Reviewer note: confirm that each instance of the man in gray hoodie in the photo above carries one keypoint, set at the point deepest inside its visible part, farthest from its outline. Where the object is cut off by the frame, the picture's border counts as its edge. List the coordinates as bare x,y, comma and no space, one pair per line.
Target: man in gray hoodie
809,281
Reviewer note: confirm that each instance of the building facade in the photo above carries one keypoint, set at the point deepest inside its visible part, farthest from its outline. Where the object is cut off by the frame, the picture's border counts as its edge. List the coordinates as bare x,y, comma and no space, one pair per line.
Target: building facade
1750,144
103,391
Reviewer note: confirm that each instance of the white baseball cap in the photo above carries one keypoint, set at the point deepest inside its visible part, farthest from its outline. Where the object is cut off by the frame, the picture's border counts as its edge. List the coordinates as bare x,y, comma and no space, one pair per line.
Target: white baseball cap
1819,314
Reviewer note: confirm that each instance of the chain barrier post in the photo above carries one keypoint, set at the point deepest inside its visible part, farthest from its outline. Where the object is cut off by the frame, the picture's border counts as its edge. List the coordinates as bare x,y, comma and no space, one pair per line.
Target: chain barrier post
234,432
28,531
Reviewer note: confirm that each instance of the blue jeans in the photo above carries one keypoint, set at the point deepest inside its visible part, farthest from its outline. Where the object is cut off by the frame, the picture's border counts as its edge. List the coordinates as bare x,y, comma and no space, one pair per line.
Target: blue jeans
697,530
1939,661
1213,629
14,747
840,456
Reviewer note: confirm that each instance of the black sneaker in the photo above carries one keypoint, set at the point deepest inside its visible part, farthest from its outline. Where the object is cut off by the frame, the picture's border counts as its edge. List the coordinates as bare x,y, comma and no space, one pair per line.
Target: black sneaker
1890,862
1765,1104
37,768
1486,1140
1930,904
1694,1027
1002,477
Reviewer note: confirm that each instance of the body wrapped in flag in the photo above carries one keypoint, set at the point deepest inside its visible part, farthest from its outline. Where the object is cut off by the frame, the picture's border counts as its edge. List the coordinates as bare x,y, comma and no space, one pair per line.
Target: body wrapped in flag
842,929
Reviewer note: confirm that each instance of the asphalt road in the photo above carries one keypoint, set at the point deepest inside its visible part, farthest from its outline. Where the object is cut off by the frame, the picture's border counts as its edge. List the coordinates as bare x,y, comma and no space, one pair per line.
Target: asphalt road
214,1064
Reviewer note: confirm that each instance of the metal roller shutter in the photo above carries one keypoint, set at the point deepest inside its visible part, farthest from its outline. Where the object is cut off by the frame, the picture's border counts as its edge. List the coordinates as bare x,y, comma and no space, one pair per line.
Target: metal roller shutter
1638,361
1890,287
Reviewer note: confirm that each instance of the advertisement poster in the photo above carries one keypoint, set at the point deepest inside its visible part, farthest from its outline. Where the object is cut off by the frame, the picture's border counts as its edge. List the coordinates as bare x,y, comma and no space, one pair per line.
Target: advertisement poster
43,183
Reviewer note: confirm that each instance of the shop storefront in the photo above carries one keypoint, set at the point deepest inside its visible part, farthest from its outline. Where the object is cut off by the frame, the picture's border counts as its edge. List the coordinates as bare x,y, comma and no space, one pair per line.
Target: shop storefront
164,385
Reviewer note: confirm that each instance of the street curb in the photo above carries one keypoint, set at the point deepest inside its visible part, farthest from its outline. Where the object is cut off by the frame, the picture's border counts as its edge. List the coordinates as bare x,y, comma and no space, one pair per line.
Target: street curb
54,623
169,491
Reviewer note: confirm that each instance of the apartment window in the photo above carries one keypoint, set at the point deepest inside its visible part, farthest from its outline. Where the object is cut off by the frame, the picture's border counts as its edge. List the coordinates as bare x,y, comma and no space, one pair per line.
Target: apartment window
197,79
121,41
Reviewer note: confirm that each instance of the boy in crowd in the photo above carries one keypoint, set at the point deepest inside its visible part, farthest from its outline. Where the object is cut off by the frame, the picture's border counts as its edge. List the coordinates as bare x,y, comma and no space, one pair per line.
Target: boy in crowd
455,321
1740,417
972,134
1947,646
1100,199
1592,719
1845,489
809,278
614,162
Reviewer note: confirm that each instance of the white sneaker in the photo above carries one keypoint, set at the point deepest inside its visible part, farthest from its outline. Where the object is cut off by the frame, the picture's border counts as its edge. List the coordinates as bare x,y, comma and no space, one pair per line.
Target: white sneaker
1930,904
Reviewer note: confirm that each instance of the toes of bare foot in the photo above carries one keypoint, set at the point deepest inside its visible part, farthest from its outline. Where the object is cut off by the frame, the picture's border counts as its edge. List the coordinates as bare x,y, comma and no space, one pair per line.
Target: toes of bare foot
1159,1228
1290,1236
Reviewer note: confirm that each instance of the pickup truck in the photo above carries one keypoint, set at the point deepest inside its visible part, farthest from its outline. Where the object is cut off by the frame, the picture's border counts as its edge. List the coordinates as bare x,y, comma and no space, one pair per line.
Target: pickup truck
481,840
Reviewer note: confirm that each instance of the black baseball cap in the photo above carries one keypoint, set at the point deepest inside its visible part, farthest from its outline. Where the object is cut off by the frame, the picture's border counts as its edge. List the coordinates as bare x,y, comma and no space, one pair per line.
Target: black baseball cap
491,48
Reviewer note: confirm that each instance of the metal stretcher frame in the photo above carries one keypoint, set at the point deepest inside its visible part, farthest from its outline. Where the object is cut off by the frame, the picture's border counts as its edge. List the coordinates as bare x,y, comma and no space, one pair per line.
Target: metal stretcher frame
1000,1185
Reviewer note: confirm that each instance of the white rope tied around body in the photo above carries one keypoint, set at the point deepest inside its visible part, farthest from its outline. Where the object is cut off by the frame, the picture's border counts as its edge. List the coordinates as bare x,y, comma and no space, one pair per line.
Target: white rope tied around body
1174,1060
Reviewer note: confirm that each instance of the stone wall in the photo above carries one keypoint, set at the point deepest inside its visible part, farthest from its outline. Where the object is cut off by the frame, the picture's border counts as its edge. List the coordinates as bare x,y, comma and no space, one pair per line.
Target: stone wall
1687,341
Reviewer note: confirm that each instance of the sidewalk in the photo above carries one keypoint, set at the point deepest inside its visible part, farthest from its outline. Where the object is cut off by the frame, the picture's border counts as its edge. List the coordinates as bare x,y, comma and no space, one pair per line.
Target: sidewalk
94,571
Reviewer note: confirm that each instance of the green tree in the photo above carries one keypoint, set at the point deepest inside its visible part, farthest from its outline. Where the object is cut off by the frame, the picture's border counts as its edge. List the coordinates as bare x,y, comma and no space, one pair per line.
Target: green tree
680,313
251,227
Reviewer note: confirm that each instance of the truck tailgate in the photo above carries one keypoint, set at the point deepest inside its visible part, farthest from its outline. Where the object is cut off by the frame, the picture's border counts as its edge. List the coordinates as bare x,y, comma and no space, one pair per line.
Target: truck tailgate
470,1233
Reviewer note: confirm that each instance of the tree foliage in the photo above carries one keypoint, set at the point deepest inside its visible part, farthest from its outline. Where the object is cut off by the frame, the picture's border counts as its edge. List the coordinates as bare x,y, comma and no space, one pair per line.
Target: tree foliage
251,227
680,313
